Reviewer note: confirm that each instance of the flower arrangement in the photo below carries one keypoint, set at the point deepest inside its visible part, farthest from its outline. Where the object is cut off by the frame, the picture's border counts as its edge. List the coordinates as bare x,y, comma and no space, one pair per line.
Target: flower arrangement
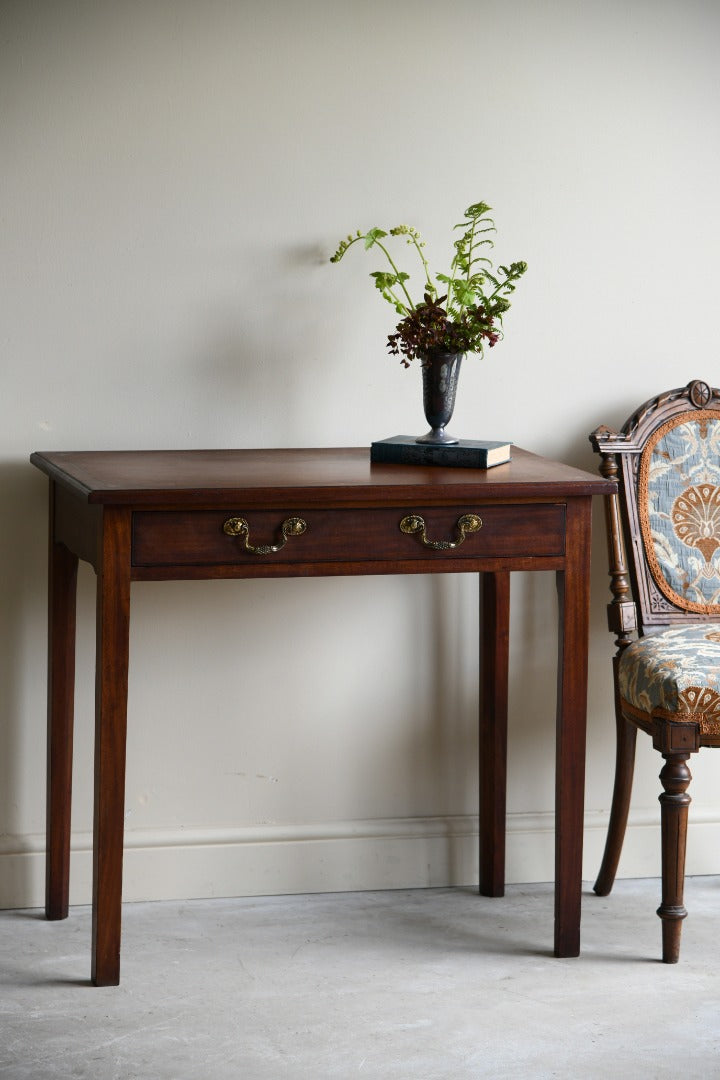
469,312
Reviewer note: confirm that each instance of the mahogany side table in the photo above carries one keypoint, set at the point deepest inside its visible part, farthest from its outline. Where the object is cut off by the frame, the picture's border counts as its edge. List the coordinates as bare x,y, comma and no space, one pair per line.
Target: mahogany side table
188,515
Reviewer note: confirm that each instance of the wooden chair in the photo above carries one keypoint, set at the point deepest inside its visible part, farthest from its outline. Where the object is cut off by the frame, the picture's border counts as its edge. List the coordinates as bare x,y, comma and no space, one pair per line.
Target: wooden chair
663,530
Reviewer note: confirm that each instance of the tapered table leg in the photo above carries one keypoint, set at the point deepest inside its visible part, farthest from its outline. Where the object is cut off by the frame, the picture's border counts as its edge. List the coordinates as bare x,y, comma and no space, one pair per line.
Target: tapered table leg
113,626
574,603
61,691
495,591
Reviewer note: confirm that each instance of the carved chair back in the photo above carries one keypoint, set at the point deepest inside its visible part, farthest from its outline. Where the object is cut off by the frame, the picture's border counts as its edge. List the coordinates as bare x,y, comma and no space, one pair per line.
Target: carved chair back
664,523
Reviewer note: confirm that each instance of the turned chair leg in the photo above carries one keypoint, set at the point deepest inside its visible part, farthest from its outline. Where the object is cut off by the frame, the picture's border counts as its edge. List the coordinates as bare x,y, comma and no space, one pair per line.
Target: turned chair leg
624,766
674,802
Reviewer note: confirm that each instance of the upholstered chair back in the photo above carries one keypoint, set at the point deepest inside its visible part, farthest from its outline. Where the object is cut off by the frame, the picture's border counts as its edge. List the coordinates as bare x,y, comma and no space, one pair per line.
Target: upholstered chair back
679,510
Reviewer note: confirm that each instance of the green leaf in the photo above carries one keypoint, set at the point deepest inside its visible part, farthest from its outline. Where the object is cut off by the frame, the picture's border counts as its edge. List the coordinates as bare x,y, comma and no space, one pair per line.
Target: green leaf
477,210
372,235
479,259
384,279
515,270
464,294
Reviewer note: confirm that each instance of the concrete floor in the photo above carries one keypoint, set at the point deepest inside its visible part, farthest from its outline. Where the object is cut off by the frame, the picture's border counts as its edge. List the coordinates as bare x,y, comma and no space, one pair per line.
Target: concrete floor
436,984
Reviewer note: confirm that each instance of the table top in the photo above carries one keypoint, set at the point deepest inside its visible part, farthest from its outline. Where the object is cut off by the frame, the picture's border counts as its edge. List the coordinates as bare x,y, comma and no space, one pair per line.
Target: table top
220,477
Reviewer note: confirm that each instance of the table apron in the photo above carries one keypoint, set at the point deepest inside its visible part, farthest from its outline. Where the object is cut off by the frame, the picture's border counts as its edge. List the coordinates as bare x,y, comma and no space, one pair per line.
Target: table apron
344,569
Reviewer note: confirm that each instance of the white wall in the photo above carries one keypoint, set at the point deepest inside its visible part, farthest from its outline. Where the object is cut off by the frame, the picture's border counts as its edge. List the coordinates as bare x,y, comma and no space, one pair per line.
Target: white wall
174,178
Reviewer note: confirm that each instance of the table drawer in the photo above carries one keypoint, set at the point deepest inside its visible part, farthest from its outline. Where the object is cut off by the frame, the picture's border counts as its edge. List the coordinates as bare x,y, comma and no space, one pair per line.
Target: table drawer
200,537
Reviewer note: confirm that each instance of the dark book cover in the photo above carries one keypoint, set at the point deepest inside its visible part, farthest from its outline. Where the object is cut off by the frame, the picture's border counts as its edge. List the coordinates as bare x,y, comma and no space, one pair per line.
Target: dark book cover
466,453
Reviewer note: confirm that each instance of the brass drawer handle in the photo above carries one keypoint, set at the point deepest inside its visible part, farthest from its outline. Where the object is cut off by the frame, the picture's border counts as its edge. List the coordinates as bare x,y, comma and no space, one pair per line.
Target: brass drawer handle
466,523
238,526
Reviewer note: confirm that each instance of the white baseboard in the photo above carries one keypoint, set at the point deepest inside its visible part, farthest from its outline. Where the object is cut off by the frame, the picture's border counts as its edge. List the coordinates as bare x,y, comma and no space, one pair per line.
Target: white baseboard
338,857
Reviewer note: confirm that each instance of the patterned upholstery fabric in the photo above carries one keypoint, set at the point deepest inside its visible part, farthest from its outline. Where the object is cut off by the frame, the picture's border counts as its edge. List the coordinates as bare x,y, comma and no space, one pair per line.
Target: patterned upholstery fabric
679,510
675,674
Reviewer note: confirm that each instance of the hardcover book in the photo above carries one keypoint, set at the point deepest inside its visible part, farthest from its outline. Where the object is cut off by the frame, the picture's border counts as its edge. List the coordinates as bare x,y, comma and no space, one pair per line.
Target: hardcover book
466,453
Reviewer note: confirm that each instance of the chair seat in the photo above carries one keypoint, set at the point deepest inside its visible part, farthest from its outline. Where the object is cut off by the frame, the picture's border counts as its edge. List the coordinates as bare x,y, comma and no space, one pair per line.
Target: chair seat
674,675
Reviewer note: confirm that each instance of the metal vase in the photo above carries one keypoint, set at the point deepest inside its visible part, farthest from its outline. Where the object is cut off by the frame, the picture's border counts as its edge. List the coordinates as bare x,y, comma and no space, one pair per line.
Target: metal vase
440,371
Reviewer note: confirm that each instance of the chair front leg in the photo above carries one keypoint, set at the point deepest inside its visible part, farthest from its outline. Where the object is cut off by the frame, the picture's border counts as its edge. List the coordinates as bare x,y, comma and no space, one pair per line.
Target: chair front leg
624,768
674,802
